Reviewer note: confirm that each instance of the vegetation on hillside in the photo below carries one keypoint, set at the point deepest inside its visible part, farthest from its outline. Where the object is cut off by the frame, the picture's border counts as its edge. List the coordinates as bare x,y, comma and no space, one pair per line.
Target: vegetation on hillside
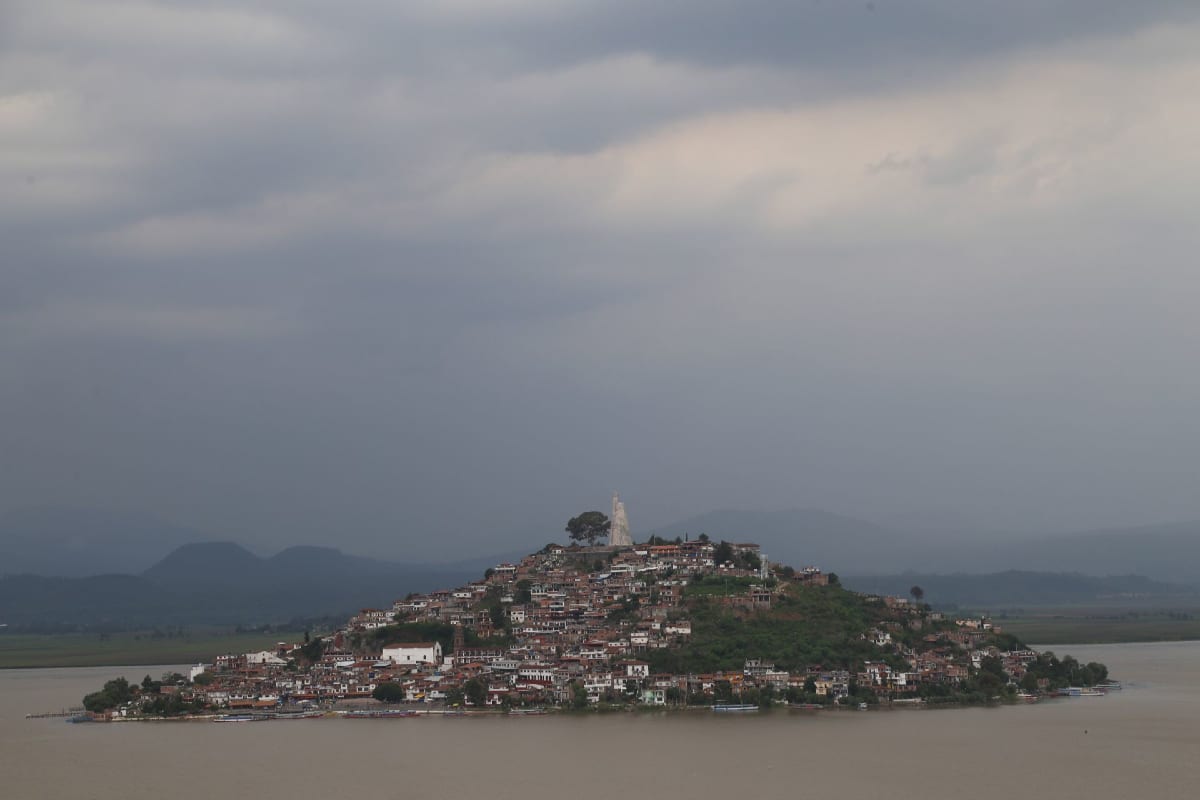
806,625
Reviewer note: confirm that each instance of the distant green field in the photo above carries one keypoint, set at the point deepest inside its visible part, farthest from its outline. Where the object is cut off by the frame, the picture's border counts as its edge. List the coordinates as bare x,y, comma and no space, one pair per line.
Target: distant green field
1079,628
96,650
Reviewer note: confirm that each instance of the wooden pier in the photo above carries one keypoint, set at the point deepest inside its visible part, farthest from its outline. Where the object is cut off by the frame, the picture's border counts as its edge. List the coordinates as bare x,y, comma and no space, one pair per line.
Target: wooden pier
66,712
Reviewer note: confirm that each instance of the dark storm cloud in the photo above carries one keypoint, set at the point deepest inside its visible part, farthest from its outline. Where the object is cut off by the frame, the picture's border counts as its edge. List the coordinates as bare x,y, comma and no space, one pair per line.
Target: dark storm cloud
423,276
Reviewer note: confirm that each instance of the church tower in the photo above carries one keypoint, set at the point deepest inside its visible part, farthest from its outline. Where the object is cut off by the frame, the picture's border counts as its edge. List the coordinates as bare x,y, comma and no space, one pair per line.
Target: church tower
618,534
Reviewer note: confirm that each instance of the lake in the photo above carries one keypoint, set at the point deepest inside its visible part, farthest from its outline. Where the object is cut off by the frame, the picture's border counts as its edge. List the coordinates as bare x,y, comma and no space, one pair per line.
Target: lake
1140,742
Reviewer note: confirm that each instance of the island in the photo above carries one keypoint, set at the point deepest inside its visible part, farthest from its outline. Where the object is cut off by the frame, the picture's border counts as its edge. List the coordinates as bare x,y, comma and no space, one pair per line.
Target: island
681,624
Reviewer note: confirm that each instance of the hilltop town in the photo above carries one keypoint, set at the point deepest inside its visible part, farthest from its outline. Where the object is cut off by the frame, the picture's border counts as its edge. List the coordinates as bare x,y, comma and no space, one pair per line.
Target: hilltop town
689,622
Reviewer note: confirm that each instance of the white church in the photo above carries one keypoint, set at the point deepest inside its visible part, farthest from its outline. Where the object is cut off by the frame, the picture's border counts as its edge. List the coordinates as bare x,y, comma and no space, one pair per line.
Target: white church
413,653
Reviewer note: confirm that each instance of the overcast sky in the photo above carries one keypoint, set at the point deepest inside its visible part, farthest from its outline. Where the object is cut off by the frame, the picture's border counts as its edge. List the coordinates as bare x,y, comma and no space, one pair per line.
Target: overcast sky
416,278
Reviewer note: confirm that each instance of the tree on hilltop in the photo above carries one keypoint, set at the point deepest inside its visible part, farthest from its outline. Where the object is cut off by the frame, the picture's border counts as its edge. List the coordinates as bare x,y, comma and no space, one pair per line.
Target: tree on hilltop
588,527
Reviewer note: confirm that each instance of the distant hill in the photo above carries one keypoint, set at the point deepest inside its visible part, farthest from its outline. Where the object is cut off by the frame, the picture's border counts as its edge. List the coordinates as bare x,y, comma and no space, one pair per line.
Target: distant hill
1167,552
221,583
74,542
107,601
151,572
207,564
1016,589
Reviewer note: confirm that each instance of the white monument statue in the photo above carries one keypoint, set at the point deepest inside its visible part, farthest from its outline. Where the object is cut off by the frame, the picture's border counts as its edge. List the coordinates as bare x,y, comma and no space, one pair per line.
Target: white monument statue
618,534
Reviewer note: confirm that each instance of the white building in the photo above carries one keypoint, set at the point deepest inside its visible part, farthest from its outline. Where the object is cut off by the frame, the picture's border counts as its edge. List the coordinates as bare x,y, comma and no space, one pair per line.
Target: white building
265,657
413,653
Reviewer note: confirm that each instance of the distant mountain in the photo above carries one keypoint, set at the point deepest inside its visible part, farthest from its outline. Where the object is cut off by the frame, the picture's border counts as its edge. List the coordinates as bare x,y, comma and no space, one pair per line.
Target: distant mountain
1018,589
74,542
221,583
152,571
299,581
1168,552
107,601
309,560
210,564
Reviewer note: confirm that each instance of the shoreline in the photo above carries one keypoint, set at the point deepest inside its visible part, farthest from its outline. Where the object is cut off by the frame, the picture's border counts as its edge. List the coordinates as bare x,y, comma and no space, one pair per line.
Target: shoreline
183,662
384,714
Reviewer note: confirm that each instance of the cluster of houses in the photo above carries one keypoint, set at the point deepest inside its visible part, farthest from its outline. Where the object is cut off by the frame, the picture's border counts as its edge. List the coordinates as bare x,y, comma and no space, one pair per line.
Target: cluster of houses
572,622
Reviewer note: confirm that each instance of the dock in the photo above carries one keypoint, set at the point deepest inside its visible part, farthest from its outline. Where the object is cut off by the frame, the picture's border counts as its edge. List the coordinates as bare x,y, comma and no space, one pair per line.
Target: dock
66,712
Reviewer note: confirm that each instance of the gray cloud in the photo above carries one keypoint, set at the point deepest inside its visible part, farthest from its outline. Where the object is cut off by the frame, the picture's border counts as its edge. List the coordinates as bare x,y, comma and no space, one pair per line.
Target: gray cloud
371,272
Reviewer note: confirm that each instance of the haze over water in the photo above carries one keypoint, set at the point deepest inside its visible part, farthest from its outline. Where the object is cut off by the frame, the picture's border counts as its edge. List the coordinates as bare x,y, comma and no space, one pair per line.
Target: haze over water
1141,742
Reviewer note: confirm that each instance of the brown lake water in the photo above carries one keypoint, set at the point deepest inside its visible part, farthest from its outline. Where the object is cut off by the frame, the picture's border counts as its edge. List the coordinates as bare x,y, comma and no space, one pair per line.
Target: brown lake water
1140,742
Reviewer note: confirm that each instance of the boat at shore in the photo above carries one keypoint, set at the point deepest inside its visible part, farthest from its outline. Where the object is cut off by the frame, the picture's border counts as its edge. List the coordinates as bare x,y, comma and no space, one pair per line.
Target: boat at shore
380,714
314,714
242,718
1080,691
734,708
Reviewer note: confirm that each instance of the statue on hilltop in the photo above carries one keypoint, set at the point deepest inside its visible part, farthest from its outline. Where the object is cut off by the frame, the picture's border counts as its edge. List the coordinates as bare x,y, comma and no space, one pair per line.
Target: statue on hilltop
618,534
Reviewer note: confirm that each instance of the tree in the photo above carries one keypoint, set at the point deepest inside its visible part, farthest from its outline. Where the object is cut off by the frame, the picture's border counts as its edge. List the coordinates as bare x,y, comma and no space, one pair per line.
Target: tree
114,693
702,538
475,691
723,553
455,696
388,693
991,676
918,594
496,613
313,650
588,526
523,593
579,696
